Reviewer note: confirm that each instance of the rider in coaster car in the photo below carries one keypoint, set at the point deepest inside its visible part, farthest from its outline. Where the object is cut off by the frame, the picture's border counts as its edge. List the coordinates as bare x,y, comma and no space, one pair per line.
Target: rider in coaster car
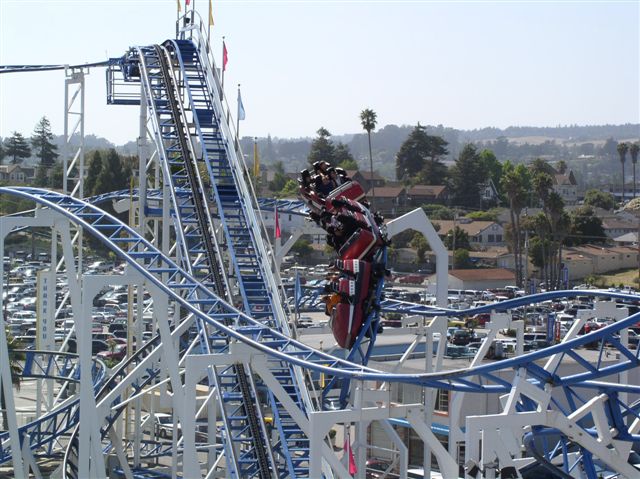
323,186
321,167
305,179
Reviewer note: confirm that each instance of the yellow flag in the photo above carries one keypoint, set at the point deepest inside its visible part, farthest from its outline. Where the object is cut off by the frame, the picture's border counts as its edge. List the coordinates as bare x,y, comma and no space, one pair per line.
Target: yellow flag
210,14
256,160
179,6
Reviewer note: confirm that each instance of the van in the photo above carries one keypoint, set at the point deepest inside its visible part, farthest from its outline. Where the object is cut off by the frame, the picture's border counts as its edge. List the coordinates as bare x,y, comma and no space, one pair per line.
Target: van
534,337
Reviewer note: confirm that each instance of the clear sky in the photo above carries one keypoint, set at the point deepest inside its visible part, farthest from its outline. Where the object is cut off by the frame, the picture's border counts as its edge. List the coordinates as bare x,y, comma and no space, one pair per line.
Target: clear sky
306,64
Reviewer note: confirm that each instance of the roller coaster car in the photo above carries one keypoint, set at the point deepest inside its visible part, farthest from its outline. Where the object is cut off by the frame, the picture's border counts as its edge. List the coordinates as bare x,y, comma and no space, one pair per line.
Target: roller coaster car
313,200
349,314
351,191
361,242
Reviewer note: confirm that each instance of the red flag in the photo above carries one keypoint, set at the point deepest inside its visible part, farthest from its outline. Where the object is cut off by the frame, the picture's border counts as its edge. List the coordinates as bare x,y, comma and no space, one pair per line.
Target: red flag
187,2
278,235
353,469
225,56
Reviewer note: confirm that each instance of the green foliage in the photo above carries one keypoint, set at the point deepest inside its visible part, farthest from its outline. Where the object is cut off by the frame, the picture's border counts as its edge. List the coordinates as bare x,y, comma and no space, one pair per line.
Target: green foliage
419,243
93,170
599,199
401,240
342,155
302,247
16,148
41,142
461,239
438,212
349,164
41,179
368,120
467,177
489,215
492,167
420,157
113,174
322,149
461,259
586,227
290,190
57,175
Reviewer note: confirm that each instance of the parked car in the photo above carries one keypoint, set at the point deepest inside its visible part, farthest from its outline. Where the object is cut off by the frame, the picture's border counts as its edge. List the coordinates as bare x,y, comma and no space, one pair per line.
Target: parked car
461,337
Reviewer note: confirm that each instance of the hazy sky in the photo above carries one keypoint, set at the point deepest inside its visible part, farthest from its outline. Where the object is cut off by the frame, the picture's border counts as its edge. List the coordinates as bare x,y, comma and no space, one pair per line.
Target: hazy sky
306,64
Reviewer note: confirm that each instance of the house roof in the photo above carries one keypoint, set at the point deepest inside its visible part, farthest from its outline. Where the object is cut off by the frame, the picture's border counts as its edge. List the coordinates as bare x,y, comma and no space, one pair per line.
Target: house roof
481,274
565,180
427,190
387,191
592,250
8,169
365,175
630,237
472,228
616,224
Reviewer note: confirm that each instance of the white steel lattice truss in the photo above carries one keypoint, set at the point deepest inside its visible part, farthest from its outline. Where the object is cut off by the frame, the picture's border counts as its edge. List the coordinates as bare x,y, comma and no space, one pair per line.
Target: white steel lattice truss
595,427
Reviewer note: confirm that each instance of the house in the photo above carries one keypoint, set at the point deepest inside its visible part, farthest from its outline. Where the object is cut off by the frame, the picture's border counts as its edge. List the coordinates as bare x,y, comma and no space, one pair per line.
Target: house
566,186
419,195
389,200
627,239
606,259
365,178
14,174
481,233
479,279
489,193
614,227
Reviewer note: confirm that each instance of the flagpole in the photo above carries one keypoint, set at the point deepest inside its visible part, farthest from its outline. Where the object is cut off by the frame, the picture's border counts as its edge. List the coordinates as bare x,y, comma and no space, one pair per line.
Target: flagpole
223,69
209,24
238,121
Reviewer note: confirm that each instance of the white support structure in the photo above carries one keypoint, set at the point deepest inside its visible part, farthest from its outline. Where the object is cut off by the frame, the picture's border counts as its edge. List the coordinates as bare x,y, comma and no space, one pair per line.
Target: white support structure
417,220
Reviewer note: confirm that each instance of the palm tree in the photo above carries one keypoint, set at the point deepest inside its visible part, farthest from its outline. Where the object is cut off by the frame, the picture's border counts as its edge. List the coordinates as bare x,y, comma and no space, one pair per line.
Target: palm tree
368,120
633,151
622,151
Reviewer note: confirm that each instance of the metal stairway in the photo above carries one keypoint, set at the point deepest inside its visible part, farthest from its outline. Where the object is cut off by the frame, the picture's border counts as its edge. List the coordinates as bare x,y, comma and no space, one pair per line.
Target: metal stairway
233,205
245,449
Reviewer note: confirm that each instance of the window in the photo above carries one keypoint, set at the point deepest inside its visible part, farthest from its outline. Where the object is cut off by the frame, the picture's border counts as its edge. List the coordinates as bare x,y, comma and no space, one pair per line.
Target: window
491,239
498,238
289,217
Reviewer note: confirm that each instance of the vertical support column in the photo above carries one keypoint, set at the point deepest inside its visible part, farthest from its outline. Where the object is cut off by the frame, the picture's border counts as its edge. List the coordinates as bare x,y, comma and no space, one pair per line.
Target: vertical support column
5,375
73,160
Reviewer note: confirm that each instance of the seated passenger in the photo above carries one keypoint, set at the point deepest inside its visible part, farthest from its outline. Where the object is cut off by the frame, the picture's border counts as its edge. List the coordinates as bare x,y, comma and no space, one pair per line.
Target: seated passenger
323,185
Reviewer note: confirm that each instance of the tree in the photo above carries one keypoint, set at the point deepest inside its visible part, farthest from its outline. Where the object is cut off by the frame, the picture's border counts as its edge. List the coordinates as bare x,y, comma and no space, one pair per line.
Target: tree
368,121
562,167
586,227
609,148
457,238
622,149
599,199
42,178
16,148
467,176
516,184
492,167
342,156
95,166
419,157
112,176
302,247
420,244
461,259
41,143
633,151
322,149
438,212
289,190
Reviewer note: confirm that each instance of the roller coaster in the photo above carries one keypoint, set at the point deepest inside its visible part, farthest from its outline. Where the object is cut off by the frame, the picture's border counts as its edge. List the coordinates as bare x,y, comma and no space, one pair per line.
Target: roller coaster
225,355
